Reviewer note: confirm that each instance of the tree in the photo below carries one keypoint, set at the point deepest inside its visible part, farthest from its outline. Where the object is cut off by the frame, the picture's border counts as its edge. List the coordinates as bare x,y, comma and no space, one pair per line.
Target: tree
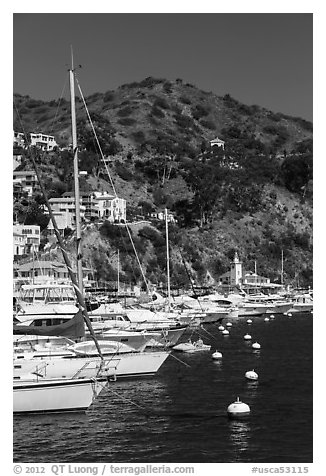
297,172
36,216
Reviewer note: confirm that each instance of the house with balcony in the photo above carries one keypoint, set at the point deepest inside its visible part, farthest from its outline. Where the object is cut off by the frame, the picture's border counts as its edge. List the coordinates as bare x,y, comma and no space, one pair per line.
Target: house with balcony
27,180
41,271
43,141
89,201
64,207
32,235
110,207
19,139
19,244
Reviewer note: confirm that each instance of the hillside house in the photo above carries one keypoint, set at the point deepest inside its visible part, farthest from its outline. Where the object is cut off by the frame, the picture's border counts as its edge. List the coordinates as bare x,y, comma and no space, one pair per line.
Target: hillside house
19,139
27,180
64,220
19,243
43,270
43,141
17,160
160,215
32,237
65,207
110,207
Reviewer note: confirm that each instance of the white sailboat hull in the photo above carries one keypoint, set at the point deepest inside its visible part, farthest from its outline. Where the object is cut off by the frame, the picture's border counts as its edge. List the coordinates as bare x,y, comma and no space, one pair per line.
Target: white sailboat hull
120,366
61,395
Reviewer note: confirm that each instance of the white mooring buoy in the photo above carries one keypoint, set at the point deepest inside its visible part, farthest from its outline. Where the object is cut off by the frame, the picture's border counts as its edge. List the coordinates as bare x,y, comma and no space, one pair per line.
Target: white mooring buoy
266,319
217,355
272,316
238,409
249,321
247,337
221,328
251,375
255,345
229,324
289,314
225,332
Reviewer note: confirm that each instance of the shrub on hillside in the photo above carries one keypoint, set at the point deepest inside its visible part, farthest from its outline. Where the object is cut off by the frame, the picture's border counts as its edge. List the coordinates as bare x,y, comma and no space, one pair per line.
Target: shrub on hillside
139,137
200,111
183,121
150,82
33,103
208,124
108,96
167,86
126,121
157,112
123,172
124,112
162,103
185,100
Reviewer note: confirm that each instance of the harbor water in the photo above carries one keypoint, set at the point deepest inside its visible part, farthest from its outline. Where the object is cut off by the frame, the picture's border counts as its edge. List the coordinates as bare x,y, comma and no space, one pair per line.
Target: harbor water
179,416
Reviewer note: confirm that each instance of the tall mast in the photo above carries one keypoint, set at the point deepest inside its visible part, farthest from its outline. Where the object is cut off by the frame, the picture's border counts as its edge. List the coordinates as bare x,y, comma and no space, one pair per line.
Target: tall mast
118,272
282,268
256,275
167,258
76,173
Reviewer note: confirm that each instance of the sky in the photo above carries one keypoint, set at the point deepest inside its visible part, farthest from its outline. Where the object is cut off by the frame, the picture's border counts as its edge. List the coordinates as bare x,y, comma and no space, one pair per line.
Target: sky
257,58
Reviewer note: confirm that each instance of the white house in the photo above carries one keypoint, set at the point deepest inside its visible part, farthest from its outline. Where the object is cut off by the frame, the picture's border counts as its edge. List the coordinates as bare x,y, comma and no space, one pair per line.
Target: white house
27,179
17,160
65,207
43,141
19,139
63,220
110,207
32,237
19,244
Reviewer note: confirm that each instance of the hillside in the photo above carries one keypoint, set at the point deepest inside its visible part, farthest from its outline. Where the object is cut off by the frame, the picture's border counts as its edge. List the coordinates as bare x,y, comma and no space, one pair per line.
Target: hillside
254,197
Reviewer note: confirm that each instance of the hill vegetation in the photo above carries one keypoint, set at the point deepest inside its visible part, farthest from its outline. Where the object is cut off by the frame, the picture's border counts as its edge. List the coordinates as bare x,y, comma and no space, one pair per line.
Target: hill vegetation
255,196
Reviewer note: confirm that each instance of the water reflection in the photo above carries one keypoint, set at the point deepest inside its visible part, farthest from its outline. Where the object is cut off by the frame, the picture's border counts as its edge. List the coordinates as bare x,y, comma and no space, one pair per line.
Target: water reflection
239,437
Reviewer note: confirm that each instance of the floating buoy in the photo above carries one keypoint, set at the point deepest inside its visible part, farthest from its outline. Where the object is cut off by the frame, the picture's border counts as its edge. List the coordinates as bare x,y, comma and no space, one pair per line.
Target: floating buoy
217,355
266,319
225,332
251,375
311,312
221,328
247,337
272,316
255,345
238,409
229,324
249,321
289,314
